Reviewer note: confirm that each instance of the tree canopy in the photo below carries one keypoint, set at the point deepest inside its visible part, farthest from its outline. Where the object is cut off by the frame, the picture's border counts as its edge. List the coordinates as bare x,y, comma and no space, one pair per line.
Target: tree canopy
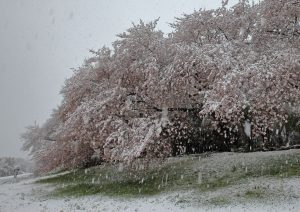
224,78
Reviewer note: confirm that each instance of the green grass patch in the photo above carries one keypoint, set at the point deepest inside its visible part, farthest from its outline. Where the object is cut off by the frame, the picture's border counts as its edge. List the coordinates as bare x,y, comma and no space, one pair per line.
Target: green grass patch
216,183
181,174
219,201
255,194
284,167
109,181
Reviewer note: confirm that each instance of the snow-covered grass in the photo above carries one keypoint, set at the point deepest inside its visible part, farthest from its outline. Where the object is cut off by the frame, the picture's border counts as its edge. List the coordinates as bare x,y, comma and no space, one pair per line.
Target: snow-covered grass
197,173
11,179
261,181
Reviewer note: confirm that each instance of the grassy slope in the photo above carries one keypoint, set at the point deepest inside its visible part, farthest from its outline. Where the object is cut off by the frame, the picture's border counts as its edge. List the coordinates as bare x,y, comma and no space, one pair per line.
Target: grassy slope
197,173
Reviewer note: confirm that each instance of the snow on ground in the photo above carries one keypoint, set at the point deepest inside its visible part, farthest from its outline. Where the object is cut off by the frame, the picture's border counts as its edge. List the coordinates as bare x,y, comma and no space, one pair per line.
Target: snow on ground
23,195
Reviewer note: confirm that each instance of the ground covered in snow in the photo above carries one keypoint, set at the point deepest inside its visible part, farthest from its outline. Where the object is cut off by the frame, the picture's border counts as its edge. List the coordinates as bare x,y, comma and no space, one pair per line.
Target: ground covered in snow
262,181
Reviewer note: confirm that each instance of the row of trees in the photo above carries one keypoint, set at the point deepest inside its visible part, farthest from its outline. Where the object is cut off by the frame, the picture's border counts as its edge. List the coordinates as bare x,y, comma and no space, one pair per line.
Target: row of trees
224,78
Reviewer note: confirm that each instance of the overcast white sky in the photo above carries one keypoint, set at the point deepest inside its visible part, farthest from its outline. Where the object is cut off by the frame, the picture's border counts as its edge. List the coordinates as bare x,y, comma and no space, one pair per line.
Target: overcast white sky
40,40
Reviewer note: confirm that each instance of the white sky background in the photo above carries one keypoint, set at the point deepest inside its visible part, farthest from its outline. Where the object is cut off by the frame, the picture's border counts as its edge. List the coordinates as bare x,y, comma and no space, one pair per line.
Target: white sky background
40,40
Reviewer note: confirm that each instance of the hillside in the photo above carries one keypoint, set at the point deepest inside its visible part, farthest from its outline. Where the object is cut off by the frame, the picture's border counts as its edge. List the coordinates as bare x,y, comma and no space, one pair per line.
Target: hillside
261,181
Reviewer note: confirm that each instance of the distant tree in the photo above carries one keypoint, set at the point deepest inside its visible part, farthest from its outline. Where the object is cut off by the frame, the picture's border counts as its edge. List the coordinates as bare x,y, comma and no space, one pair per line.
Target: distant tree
32,139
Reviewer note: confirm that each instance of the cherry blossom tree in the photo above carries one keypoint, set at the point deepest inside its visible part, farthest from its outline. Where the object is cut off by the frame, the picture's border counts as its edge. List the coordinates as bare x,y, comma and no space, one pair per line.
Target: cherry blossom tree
224,78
